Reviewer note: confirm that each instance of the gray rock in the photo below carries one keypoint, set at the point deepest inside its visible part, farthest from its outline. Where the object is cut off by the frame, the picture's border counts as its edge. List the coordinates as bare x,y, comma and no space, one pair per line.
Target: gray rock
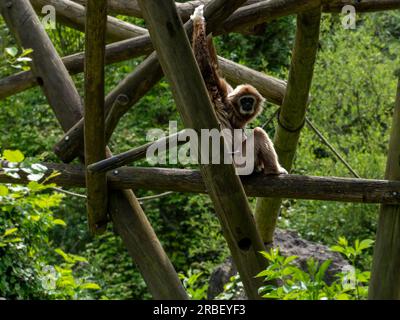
290,244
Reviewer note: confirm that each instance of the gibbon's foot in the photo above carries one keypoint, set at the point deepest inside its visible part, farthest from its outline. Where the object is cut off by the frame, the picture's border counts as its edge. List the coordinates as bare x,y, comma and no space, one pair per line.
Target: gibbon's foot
275,172
282,170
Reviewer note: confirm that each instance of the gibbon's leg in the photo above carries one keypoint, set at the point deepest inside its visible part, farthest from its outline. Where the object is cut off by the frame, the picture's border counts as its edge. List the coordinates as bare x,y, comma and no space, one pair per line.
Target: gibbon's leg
265,154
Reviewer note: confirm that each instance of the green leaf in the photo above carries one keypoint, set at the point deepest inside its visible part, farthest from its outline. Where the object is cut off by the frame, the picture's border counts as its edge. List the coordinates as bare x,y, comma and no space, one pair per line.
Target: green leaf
343,242
322,270
63,254
263,274
12,51
10,231
337,249
290,259
13,155
59,222
26,52
90,286
35,186
3,191
343,296
365,244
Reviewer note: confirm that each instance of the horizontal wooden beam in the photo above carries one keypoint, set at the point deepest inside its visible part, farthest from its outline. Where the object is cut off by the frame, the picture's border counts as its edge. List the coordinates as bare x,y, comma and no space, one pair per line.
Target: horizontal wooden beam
72,14
257,185
131,8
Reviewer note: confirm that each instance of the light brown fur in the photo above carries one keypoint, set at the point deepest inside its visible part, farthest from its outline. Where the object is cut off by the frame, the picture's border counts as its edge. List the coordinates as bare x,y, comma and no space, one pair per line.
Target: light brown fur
228,102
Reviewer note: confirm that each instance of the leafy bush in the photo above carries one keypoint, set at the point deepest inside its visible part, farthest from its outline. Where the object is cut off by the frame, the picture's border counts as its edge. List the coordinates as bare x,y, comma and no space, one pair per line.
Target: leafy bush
196,289
29,267
286,281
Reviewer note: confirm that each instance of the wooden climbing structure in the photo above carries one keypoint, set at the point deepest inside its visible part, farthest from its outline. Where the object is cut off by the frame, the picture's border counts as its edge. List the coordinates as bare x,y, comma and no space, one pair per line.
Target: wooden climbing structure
109,182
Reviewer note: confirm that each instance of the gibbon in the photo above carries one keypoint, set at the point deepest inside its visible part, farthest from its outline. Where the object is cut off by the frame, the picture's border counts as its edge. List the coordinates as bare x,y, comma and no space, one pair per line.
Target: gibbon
234,107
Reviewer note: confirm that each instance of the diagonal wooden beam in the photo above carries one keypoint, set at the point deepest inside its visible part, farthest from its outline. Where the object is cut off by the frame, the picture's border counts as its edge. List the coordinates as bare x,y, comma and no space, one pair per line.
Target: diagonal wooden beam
95,142
128,217
385,277
225,189
138,153
293,110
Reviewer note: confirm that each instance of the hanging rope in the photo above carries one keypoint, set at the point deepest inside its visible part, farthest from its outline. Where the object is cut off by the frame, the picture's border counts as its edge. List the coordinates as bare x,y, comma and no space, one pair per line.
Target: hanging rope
322,138
332,148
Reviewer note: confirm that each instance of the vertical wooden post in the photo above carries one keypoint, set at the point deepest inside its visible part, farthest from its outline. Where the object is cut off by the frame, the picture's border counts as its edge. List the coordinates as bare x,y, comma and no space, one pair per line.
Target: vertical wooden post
385,278
130,221
170,41
94,133
292,115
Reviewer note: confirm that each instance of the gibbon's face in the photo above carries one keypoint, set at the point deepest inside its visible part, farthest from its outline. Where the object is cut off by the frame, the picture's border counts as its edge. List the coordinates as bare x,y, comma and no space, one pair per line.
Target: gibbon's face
247,104
246,101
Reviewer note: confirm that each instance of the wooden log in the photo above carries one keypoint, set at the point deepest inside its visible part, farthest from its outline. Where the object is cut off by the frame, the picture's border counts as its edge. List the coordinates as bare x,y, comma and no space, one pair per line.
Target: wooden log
95,144
130,156
121,7
72,14
292,114
385,277
130,91
256,185
197,112
130,221
47,67
131,48
271,88
131,8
